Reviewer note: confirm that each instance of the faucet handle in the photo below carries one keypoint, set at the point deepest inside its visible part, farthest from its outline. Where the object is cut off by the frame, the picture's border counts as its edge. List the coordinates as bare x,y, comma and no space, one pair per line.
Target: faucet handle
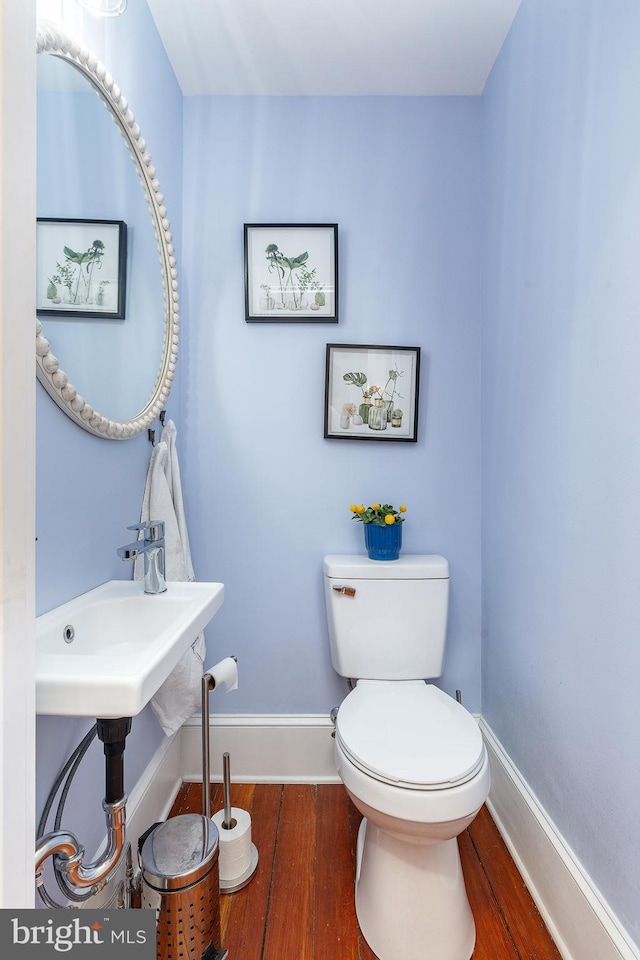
153,529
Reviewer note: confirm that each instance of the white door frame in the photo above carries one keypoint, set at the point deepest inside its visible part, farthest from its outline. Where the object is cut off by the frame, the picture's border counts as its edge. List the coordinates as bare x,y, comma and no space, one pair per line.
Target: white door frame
17,451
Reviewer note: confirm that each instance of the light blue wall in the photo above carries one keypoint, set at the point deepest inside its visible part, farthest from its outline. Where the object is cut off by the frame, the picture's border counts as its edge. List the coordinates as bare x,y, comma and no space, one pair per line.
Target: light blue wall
561,408
268,497
89,489
546,234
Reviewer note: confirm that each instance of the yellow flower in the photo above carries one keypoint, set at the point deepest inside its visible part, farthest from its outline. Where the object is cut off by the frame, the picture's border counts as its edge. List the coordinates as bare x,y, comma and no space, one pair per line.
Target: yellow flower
382,514
403,509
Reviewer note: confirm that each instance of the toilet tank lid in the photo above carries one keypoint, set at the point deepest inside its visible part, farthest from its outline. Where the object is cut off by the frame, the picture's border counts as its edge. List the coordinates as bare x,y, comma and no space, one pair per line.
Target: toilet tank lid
408,567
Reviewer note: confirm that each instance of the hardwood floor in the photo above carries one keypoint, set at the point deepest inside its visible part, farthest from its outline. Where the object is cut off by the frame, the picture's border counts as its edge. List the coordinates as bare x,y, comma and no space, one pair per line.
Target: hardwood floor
299,904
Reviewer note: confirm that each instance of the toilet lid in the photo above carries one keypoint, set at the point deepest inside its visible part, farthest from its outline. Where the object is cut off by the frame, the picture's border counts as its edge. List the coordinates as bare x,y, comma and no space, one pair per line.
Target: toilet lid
410,734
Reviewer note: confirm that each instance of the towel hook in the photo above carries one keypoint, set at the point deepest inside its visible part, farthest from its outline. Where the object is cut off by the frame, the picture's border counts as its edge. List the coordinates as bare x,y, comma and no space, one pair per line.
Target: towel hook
152,433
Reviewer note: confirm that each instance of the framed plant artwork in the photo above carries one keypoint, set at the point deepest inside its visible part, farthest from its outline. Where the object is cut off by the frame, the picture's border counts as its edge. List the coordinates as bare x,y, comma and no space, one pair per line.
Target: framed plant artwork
291,272
81,268
371,392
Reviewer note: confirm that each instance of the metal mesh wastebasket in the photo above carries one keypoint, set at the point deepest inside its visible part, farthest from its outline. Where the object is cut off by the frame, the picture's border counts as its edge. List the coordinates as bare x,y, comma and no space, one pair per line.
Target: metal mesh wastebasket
180,880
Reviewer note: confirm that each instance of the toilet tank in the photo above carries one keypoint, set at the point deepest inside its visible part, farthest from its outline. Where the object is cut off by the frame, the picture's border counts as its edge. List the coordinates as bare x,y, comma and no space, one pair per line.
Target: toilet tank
387,619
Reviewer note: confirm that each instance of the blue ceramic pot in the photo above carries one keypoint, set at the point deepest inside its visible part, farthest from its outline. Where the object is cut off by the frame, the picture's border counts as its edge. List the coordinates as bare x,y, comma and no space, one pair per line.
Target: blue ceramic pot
383,543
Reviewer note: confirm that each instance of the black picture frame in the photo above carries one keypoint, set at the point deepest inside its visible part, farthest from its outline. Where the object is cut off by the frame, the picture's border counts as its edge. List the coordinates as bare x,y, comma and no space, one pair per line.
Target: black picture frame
362,377
291,272
81,268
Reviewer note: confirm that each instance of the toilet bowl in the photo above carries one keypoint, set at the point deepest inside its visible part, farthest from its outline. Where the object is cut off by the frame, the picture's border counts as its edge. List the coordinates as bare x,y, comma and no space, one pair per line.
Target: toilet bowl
411,757
413,762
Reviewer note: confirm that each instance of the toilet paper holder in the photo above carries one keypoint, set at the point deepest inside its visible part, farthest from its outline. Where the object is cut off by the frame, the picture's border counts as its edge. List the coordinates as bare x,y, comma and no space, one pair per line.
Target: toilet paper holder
208,684
237,874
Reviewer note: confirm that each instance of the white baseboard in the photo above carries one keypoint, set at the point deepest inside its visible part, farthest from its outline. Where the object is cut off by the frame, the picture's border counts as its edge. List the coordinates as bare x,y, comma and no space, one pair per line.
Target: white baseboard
578,918
152,797
263,748
274,748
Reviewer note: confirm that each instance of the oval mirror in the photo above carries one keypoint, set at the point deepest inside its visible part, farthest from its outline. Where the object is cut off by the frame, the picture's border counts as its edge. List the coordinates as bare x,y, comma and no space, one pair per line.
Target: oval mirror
107,324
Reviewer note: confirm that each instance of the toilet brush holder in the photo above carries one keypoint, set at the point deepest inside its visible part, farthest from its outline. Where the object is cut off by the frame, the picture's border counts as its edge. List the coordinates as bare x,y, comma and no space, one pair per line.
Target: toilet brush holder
238,856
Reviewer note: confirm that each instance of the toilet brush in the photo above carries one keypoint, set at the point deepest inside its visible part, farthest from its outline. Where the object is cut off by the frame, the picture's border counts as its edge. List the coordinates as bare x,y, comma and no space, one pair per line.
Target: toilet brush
238,855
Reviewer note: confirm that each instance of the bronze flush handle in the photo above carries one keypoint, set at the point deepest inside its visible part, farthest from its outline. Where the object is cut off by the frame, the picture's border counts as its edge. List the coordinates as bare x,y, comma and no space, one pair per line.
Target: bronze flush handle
347,591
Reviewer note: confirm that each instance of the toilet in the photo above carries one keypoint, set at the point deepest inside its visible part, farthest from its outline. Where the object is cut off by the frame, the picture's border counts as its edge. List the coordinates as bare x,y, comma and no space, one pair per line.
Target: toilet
411,757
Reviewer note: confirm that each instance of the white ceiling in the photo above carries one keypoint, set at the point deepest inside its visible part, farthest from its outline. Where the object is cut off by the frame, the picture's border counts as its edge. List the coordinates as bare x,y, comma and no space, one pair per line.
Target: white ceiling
333,47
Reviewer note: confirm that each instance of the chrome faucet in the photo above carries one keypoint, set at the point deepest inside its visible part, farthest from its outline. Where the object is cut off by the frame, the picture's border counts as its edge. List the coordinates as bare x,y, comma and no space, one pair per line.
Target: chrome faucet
151,547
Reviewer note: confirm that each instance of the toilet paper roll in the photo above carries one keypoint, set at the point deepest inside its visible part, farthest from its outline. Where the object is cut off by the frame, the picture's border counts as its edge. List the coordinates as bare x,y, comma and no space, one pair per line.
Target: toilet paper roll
235,845
226,671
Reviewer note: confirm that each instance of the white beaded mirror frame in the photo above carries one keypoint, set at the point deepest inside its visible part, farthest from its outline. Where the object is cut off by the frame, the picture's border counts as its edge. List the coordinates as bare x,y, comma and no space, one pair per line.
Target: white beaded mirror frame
49,40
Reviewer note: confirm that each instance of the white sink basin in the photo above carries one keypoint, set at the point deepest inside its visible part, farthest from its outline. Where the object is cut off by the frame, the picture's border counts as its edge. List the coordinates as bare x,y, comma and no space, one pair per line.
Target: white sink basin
125,644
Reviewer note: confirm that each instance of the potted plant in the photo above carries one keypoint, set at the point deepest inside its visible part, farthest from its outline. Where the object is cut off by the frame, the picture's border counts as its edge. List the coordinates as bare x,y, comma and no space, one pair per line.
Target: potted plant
378,412
103,295
388,395
396,417
358,380
267,302
87,260
348,411
382,529
293,276
306,279
319,297
63,277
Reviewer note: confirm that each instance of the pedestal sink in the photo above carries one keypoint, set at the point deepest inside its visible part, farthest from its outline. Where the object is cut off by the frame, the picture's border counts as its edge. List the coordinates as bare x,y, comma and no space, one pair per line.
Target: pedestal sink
107,652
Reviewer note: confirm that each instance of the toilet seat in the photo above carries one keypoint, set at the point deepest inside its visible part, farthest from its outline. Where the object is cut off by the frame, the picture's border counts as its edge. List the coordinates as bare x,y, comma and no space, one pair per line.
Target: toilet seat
409,733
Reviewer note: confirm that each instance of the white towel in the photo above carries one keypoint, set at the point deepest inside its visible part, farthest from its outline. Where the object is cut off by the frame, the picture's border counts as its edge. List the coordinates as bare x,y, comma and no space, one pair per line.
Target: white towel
180,695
